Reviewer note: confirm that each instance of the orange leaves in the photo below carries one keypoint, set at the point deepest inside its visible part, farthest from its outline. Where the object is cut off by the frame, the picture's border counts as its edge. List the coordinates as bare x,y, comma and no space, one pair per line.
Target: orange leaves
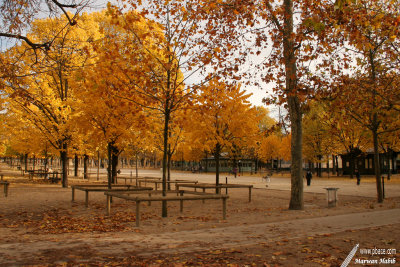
226,116
57,221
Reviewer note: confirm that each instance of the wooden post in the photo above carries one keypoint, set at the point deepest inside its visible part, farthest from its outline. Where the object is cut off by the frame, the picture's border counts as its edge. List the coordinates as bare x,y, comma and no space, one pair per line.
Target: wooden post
204,191
181,202
224,208
5,185
149,200
86,198
73,193
226,182
249,193
181,205
108,205
137,213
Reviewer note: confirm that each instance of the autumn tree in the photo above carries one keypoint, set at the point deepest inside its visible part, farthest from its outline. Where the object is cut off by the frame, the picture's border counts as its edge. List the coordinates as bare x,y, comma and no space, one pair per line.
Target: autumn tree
23,139
293,44
318,144
369,32
223,120
345,133
184,44
42,92
111,120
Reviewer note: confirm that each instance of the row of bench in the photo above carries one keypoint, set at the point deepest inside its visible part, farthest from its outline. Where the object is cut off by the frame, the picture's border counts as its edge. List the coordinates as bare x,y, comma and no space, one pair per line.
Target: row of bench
147,194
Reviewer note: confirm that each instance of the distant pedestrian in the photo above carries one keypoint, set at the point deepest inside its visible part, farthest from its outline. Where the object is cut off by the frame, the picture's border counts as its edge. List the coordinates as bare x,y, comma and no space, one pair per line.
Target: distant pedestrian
308,177
235,171
358,177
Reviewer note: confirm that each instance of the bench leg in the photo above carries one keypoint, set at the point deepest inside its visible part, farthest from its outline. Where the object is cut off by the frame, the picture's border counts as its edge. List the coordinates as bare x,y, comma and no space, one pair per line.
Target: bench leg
204,191
149,200
6,190
224,208
137,213
108,205
86,198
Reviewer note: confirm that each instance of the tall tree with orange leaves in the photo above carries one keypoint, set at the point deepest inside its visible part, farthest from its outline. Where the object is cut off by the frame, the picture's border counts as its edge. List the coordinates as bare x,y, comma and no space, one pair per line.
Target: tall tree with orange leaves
41,89
369,32
223,120
176,61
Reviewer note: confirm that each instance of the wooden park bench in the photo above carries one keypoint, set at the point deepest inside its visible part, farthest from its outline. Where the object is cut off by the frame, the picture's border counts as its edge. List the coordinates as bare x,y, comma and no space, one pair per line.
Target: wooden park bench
159,182
53,177
215,187
104,188
137,179
179,197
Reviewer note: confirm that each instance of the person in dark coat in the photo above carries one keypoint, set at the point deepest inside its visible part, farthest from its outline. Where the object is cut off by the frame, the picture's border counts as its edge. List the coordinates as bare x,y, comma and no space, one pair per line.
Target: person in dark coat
308,177
358,177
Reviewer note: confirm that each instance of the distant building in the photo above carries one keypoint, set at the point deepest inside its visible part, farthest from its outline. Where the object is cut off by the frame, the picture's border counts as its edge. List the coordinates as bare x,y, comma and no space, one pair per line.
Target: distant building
364,162
227,164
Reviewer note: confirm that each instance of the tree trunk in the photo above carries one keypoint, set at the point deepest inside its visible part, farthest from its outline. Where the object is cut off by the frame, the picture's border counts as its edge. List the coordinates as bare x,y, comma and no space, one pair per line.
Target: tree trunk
85,166
377,167
114,163
352,159
33,163
206,167
216,156
26,161
98,164
294,108
296,196
388,155
136,165
393,158
64,165
76,165
327,166
169,171
164,212
109,155
319,166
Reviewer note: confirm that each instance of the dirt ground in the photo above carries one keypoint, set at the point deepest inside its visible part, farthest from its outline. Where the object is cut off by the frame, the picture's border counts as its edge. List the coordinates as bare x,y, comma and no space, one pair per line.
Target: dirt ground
37,214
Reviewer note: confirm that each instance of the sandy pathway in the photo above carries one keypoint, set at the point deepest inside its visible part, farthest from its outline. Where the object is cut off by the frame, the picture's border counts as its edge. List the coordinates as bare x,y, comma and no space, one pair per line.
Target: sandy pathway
194,240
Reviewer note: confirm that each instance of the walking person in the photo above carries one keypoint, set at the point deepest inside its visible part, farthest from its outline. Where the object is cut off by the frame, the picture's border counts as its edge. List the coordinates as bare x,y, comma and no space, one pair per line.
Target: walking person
235,170
308,177
358,177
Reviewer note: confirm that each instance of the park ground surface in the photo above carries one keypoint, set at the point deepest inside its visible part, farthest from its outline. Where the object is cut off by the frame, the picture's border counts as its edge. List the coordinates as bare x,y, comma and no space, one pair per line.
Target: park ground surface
40,226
